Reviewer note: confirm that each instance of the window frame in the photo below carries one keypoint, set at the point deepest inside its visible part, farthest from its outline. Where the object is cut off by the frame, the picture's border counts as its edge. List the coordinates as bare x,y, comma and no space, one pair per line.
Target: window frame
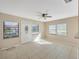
53,29
57,29
65,29
15,28
37,31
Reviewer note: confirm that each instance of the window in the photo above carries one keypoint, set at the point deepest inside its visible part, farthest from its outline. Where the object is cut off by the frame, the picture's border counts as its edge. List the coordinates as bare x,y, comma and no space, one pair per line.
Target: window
10,29
35,28
52,29
58,29
61,29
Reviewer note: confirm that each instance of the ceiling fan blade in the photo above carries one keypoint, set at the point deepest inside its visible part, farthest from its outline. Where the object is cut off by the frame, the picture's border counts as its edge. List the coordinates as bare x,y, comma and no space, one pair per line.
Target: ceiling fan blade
38,15
49,16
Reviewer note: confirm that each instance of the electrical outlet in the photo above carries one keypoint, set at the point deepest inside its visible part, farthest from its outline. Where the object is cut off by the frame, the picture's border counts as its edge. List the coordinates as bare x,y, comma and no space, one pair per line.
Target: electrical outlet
77,36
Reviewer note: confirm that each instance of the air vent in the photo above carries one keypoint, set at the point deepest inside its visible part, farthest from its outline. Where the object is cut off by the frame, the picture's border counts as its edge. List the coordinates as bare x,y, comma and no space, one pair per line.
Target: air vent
67,1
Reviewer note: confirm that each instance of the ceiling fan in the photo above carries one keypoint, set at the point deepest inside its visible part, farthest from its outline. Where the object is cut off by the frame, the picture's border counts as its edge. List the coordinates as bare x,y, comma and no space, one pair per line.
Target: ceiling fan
44,15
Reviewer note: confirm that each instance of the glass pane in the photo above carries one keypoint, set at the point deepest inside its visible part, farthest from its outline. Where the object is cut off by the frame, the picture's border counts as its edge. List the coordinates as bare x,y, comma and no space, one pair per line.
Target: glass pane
11,29
62,29
35,28
52,29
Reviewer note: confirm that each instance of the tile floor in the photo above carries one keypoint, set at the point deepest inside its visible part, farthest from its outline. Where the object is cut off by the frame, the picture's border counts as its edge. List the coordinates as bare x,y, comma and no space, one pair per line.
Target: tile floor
44,50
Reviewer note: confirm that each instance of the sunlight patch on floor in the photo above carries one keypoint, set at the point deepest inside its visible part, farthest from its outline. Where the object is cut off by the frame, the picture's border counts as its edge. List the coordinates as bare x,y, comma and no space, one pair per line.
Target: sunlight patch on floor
41,41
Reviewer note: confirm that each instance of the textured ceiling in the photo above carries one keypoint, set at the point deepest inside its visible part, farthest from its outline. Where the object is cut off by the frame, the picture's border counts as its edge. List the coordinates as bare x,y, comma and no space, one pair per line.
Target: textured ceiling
29,8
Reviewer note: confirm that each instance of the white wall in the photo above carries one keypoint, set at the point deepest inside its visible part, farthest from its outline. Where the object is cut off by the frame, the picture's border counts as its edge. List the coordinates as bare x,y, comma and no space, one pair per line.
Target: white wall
25,37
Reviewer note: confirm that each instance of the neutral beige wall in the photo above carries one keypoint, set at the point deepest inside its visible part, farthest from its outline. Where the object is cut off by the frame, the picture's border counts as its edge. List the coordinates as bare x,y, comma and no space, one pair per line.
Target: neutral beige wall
11,41
72,24
23,36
